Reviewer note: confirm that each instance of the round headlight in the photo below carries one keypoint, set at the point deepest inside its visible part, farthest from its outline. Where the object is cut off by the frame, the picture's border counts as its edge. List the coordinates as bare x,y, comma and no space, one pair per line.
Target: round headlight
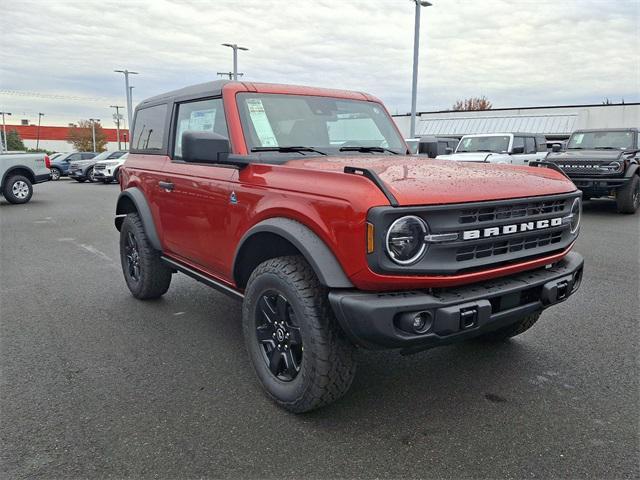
405,240
576,212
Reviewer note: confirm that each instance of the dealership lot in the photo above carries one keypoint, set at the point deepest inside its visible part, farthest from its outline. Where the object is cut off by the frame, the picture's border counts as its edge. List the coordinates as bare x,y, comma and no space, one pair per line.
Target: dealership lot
95,383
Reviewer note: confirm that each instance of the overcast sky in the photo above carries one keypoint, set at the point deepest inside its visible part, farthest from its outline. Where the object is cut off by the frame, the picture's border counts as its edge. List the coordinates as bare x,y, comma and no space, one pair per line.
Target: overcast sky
58,57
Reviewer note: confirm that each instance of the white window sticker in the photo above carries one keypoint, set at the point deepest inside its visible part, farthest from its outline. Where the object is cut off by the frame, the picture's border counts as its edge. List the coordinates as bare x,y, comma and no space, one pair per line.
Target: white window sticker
578,138
199,121
261,123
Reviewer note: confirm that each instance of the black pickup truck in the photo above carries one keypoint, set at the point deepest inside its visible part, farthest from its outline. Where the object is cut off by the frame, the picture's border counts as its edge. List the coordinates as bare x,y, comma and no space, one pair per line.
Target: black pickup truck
604,163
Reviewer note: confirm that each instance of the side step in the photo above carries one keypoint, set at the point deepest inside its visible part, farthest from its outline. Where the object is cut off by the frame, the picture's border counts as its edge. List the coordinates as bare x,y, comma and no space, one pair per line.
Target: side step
201,277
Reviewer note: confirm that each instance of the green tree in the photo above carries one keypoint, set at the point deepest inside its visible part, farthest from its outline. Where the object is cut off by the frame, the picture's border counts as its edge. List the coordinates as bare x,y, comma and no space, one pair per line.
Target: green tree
81,137
14,142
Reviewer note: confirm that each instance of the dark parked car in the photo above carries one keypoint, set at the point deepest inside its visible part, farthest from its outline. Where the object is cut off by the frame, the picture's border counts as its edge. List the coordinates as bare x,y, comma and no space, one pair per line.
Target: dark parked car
433,146
60,165
82,170
604,163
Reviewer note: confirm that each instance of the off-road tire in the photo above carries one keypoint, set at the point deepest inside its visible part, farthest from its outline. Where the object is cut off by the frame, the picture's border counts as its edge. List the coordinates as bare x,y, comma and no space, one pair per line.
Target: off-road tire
56,173
328,363
24,193
628,197
154,276
504,333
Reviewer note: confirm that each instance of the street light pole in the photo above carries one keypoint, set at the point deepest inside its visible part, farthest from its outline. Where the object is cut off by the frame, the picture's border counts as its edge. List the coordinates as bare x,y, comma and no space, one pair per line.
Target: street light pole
4,144
93,130
235,48
117,119
414,83
128,92
40,115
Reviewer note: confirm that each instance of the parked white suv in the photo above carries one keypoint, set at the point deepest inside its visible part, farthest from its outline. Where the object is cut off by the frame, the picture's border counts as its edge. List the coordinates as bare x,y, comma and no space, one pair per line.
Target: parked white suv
511,148
107,171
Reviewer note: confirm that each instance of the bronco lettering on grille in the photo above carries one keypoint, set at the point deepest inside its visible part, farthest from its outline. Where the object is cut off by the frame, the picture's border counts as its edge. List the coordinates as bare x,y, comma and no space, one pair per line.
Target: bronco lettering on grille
514,228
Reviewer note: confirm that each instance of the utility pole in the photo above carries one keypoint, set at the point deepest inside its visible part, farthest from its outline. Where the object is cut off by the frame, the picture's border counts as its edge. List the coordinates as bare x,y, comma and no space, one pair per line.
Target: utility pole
128,92
117,117
235,48
414,84
93,130
40,115
4,143
229,75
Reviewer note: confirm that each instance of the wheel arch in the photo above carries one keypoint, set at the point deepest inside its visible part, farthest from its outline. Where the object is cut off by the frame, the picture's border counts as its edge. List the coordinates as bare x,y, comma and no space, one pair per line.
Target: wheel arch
276,237
132,200
19,170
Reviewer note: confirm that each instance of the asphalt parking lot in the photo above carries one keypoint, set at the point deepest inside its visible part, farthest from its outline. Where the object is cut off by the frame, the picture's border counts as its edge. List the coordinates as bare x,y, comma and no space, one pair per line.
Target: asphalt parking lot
97,384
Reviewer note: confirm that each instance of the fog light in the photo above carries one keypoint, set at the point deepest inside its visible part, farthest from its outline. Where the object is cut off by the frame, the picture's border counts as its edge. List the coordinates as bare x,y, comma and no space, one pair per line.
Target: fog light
415,322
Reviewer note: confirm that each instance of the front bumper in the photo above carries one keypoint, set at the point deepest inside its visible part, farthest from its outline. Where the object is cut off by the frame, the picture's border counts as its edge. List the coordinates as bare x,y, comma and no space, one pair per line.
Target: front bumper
373,320
600,185
77,174
106,175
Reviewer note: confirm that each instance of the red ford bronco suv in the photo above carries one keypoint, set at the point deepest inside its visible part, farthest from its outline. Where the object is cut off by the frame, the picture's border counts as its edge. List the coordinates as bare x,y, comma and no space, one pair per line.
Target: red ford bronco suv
305,204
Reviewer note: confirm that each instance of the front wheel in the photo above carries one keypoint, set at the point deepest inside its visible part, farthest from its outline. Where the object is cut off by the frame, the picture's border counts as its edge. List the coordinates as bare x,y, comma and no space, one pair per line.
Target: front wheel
628,197
299,352
17,189
146,275
90,176
80,180
55,173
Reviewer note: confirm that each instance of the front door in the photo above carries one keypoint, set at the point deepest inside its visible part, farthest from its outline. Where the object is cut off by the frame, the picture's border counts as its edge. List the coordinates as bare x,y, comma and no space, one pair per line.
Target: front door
195,198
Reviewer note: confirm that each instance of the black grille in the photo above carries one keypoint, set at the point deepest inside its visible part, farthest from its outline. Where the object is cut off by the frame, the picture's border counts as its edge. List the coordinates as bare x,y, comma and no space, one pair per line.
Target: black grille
506,212
585,168
511,245
99,167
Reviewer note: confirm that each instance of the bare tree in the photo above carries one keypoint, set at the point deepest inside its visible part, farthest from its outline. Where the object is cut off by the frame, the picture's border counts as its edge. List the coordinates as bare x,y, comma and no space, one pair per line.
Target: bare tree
472,103
81,137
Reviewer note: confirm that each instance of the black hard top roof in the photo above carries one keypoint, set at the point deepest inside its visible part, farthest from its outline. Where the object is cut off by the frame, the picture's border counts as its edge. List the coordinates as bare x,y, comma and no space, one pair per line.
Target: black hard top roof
201,89
621,129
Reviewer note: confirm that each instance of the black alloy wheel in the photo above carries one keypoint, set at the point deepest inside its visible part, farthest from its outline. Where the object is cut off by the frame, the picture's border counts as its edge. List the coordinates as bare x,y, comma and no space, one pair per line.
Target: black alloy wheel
133,257
278,336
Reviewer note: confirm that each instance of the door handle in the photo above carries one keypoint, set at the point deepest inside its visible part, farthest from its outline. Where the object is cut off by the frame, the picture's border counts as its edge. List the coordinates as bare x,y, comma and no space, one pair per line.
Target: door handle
167,186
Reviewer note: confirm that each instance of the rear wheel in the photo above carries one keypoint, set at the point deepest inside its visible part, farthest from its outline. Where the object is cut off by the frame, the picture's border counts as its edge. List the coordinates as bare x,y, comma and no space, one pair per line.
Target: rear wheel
146,275
55,173
299,352
504,333
628,197
17,189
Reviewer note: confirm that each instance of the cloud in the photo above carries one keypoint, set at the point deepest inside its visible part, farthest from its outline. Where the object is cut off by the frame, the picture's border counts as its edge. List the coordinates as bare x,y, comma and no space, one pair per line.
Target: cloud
517,53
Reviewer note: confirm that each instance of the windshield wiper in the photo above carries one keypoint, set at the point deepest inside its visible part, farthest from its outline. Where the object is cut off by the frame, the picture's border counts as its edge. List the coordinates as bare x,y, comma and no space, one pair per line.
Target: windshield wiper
292,148
364,149
607,148
575,148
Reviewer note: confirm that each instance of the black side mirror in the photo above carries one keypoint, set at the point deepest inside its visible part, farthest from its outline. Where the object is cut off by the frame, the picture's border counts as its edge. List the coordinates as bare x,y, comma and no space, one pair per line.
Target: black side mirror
448,151
516,150
556,147
204,147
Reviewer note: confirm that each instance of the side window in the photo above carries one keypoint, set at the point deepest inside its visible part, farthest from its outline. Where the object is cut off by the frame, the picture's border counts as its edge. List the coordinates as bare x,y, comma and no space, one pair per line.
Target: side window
518,142
200,116
541,144
87,156
74,156
529,145
115,155
148,128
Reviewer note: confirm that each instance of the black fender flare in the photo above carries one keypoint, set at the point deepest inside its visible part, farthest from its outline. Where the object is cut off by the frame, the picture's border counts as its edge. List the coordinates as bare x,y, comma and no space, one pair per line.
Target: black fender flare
135,197
310,245
634,169
18,167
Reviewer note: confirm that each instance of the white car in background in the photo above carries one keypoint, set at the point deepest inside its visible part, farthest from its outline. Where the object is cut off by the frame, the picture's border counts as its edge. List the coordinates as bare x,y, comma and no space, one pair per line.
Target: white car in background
107,171
508,148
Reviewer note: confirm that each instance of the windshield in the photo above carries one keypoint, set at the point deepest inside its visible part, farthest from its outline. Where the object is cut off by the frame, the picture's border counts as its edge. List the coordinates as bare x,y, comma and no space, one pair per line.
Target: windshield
609,140
324,124
101,156
496,144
